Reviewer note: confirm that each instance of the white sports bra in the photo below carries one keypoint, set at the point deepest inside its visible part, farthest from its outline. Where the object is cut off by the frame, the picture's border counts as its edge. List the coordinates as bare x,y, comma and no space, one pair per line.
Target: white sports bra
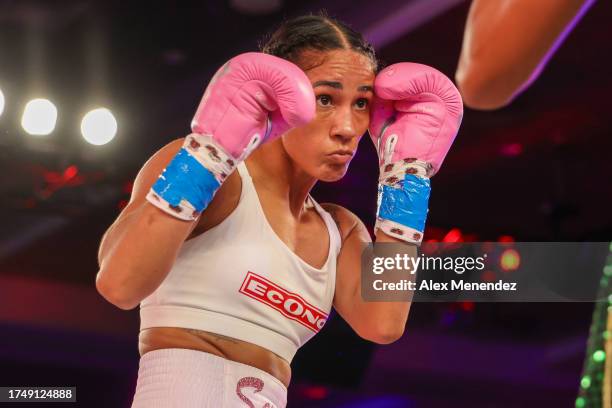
239,279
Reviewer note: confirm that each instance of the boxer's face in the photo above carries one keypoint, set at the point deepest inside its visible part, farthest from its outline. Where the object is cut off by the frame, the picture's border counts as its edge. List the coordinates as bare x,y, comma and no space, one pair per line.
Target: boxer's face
343,83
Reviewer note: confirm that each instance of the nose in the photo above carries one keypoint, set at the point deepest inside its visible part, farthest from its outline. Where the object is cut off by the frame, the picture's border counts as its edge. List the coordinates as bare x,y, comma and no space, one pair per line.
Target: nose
344,127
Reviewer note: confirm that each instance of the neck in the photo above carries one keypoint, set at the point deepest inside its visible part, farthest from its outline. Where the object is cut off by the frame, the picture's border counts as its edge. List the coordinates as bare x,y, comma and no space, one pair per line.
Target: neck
278,174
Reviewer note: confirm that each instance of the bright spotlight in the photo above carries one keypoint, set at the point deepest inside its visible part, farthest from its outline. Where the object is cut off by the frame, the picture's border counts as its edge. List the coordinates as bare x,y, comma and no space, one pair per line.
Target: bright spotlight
99,126
39,117
1,102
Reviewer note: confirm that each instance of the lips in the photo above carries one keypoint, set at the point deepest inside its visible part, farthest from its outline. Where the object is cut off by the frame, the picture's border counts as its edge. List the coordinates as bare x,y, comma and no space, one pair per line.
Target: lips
341,156
343,153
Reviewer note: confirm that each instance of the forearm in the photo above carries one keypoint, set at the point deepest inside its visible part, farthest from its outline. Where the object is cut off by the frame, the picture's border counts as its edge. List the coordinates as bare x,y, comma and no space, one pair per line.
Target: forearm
137,253
507,43
388,317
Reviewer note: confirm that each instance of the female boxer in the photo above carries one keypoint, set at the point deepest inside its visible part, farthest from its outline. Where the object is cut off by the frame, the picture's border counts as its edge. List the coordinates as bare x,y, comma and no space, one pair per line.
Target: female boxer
233,263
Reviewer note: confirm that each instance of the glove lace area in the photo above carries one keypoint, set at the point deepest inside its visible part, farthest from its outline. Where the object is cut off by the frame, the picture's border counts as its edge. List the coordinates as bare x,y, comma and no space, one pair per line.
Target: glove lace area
403,196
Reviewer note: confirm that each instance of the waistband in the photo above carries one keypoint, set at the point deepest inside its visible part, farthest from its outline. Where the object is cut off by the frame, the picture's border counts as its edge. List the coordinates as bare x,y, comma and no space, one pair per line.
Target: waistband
187,378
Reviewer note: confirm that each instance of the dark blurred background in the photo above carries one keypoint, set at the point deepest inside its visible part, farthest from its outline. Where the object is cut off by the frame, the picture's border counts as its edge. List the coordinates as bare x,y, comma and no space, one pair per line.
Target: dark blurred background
538,170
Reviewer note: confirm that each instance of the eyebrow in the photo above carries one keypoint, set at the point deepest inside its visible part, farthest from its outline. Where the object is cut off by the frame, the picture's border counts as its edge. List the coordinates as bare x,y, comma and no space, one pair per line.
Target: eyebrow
338,85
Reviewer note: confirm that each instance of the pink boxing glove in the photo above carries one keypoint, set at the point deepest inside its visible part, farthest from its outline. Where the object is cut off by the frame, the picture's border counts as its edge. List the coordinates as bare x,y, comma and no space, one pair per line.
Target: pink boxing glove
251,99
421,107
414,119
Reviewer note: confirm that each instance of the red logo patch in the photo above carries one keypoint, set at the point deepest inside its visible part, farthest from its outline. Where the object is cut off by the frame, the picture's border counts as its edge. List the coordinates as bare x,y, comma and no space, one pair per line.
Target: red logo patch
289,304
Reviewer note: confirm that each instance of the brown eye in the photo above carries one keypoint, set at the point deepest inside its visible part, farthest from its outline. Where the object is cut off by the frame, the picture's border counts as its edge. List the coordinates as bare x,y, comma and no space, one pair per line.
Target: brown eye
324,100
362,103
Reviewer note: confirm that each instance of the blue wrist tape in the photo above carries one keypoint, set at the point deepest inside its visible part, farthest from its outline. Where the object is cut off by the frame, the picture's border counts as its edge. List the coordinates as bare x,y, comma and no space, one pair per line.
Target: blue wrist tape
407,205
186,179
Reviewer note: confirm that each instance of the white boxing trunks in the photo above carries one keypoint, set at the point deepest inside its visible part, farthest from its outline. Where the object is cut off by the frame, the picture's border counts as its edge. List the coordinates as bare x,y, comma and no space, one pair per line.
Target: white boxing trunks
173,378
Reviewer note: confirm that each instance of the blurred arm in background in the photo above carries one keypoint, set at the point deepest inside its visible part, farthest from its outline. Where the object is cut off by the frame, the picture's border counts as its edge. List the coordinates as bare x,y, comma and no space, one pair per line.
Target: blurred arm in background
507,44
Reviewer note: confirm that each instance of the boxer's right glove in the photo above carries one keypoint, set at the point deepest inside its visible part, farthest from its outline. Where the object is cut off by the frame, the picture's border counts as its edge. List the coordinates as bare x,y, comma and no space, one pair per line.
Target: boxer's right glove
253,98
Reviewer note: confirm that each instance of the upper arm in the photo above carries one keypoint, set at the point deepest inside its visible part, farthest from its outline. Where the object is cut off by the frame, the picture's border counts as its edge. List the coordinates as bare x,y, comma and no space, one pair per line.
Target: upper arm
348,275
355,237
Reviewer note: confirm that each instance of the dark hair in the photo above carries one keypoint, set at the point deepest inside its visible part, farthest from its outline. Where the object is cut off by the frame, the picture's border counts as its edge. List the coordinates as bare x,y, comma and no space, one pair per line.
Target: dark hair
315,33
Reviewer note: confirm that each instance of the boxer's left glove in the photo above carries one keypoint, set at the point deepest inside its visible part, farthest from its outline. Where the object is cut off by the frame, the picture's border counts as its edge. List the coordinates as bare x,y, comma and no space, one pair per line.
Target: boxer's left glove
414,119
253,98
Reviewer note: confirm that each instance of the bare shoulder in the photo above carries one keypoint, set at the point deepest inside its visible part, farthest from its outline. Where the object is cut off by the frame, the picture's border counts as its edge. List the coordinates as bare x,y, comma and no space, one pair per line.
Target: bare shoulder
345,219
